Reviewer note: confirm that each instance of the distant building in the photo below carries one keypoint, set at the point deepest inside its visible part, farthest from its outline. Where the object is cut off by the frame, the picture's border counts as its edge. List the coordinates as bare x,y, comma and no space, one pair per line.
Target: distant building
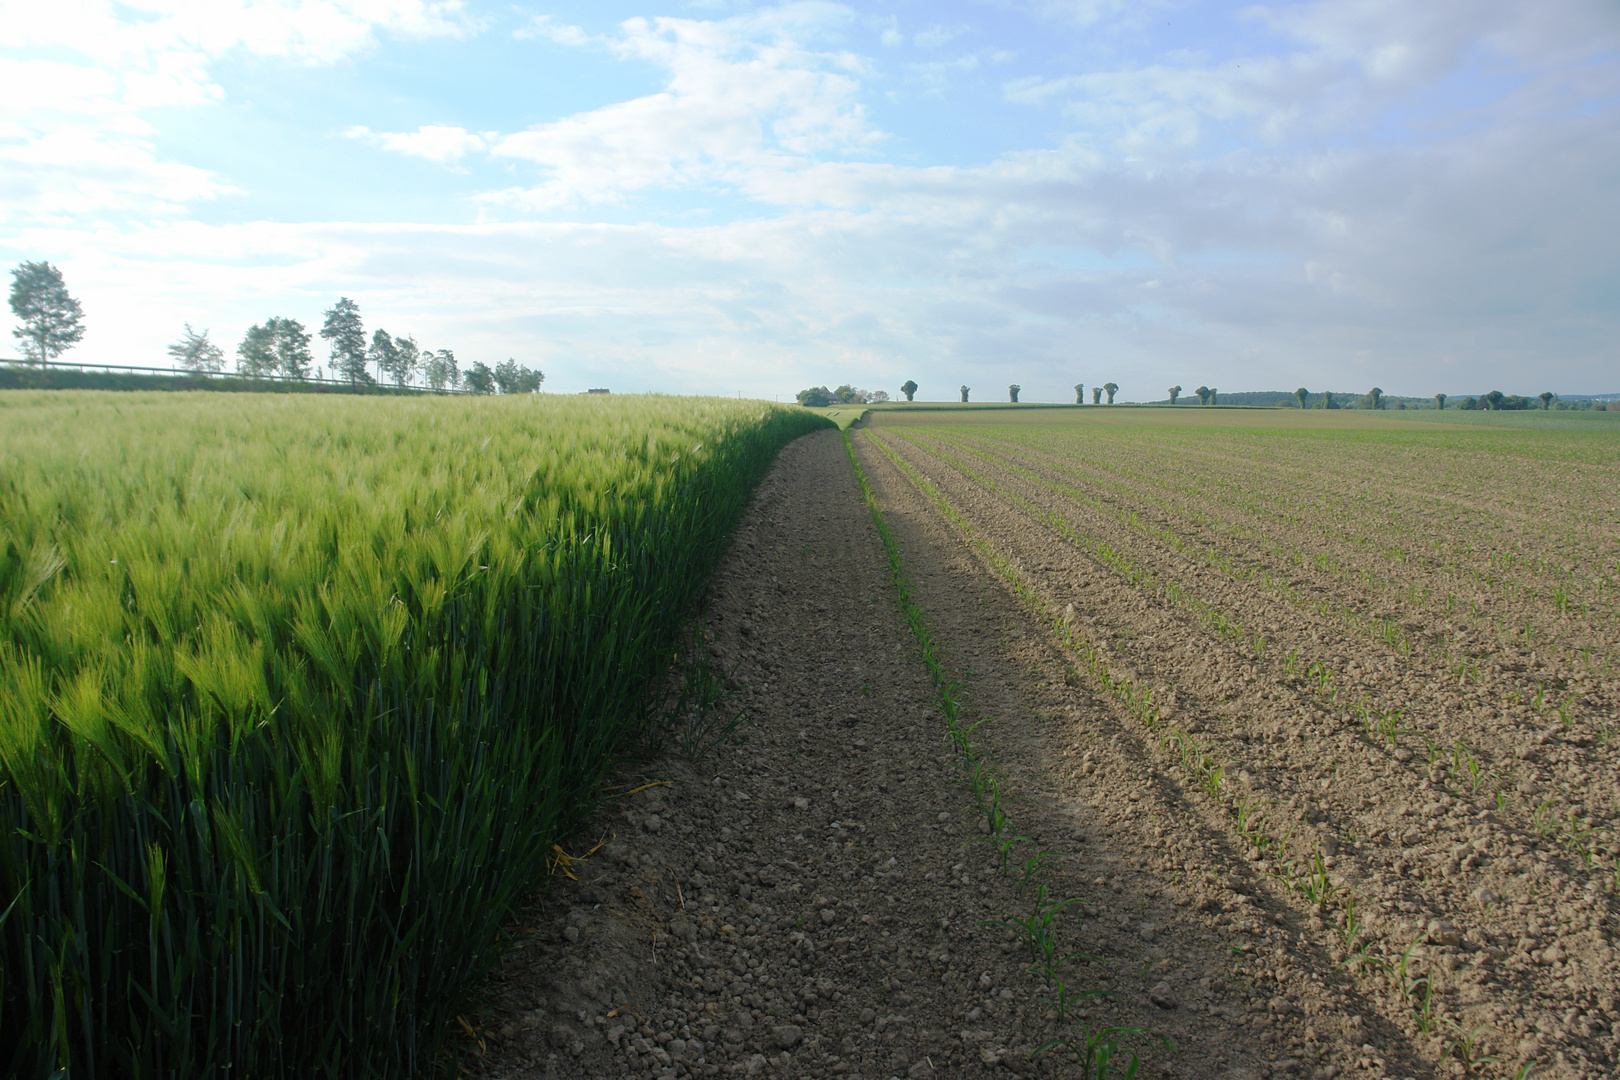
599,390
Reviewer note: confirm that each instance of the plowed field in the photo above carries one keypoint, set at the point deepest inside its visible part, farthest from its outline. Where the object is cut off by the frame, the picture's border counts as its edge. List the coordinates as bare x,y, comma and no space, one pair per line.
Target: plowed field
1285,741
1372,667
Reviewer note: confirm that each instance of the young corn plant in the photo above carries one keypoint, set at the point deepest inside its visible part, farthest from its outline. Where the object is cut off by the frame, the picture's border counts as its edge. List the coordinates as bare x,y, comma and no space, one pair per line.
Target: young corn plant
1466,1045
1096,1051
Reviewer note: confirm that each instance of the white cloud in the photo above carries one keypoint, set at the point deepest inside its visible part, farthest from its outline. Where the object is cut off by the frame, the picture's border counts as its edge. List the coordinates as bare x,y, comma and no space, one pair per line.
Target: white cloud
744,95
543,27
76,139
439,143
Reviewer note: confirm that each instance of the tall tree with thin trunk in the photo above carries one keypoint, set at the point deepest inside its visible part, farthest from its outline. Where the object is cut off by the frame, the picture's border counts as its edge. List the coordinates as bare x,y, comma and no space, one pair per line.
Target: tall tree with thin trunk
1079,393
1096,395
1302,395
1546,397
1111,389
1012,393
293,358
383,352
348,337
1203,395
1440,401
908,388
257,353
1213,396
195,352
410,359
1375,398
966,389
1175,392
52,321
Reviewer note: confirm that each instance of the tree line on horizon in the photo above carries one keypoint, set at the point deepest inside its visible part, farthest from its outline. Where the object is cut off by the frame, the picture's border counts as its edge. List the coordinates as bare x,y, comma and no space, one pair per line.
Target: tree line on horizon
52,321
1495,400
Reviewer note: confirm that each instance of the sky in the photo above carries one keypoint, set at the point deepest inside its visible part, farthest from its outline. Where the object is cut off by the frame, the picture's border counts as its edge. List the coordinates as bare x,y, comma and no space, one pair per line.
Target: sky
733,198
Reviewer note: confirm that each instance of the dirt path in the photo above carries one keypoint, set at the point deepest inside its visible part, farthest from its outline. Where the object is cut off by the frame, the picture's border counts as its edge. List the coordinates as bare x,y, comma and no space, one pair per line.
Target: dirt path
810,903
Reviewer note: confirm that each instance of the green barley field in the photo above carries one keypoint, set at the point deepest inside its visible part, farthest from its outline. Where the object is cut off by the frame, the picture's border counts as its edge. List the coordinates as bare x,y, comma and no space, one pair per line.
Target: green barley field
296,693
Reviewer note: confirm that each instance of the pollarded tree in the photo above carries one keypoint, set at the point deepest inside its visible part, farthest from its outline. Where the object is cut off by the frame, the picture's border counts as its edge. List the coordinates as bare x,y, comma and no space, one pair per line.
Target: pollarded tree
1302,395
966,389
52,321
1213,396
1375,398
1096,395
908,388
1326,401
1175,392
1203,395
348,337
1079,393
1440,401
195,352
1012,393
1546,397
1112,389
1493,400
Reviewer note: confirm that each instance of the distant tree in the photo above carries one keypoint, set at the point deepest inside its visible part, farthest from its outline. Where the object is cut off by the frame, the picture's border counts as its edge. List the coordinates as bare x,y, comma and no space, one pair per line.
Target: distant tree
409,361
1546,397
1440,401
348,337
1175,392
1012,393
966,390
383,352
1302,395
908,388
1515,401
1326,401
1203,395
293,358
52,321
1375,398
816,397
848,395
479,379
877,396
439,368
1079,393
1096,395
1111,389
195,352
257,353
1469,403
1493,400
514,378
1214,398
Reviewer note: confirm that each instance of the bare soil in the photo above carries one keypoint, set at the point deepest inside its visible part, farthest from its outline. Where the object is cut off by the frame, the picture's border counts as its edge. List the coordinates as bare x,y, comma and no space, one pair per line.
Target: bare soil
820,900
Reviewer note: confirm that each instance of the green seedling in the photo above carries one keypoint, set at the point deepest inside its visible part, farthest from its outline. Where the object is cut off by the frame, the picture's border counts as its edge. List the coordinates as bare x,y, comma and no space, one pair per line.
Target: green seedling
1037,932
1033,866
1291,663
1422,1015
1095,1051
1565,711
1349,927
1465,1046
1315,884
1063,998
1541,819
1405,982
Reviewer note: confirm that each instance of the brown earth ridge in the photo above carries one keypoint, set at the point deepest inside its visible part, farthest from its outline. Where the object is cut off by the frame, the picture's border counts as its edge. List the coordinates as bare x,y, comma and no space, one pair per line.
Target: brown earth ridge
821,898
